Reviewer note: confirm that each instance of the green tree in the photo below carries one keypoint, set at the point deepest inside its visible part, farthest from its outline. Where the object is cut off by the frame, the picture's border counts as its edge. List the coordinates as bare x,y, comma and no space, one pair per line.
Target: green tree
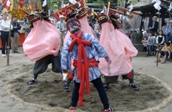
54,4
133,1
101,1
112,1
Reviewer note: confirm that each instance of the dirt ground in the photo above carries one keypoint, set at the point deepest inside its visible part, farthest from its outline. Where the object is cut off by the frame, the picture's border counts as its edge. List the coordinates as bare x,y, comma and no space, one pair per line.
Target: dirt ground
140,64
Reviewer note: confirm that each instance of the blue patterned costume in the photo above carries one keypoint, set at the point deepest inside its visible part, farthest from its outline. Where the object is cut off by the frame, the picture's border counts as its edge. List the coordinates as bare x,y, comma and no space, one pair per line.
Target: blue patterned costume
95,51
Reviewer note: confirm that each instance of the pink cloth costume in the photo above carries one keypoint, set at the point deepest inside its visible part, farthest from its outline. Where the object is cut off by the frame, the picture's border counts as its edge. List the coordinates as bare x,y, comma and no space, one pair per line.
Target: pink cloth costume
42,44
43,40
119,48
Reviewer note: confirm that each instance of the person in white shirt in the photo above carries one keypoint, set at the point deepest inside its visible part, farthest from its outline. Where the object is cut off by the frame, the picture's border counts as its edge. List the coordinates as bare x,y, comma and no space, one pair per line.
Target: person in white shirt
5,26
145,33
61,25
154,43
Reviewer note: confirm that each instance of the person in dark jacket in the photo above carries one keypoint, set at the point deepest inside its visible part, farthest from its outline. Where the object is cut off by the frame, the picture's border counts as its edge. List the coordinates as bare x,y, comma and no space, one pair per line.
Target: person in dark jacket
153,25
15,34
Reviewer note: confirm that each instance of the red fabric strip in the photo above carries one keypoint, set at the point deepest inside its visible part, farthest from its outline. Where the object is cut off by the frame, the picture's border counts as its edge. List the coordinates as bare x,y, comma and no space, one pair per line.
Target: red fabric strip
82,66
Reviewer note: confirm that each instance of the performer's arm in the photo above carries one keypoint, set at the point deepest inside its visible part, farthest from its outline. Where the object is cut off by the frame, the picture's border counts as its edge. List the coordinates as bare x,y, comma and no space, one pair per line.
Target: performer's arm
65,58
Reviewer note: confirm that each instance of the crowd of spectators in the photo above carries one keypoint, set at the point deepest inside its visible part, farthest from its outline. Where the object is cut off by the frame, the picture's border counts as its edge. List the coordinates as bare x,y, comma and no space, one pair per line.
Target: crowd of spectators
155,41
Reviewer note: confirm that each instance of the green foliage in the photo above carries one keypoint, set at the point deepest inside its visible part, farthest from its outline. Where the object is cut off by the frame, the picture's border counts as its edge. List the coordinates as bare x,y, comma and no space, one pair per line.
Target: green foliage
133,1
56,4
112,1
101,1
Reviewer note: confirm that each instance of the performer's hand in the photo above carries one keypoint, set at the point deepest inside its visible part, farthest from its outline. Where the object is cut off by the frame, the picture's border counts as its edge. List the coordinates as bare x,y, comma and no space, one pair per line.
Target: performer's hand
62,31
64,76
108,61
66,71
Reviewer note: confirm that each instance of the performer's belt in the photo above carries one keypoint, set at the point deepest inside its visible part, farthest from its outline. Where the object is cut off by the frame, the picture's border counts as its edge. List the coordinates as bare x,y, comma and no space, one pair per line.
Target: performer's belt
91,63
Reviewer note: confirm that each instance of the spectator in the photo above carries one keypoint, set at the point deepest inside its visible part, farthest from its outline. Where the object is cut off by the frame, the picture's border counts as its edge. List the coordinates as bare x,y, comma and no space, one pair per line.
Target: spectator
168,32
166,52
15,34
165,25
128,35
153,25
27,27
144,42
154,43
150,43
160,39
97,29
5,29
90,23
145,33
61,25
134,35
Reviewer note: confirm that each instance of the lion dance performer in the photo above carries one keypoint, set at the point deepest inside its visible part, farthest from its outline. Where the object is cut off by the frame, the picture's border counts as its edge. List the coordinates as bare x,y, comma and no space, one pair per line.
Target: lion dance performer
85,50
119,48
42,44
81,15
